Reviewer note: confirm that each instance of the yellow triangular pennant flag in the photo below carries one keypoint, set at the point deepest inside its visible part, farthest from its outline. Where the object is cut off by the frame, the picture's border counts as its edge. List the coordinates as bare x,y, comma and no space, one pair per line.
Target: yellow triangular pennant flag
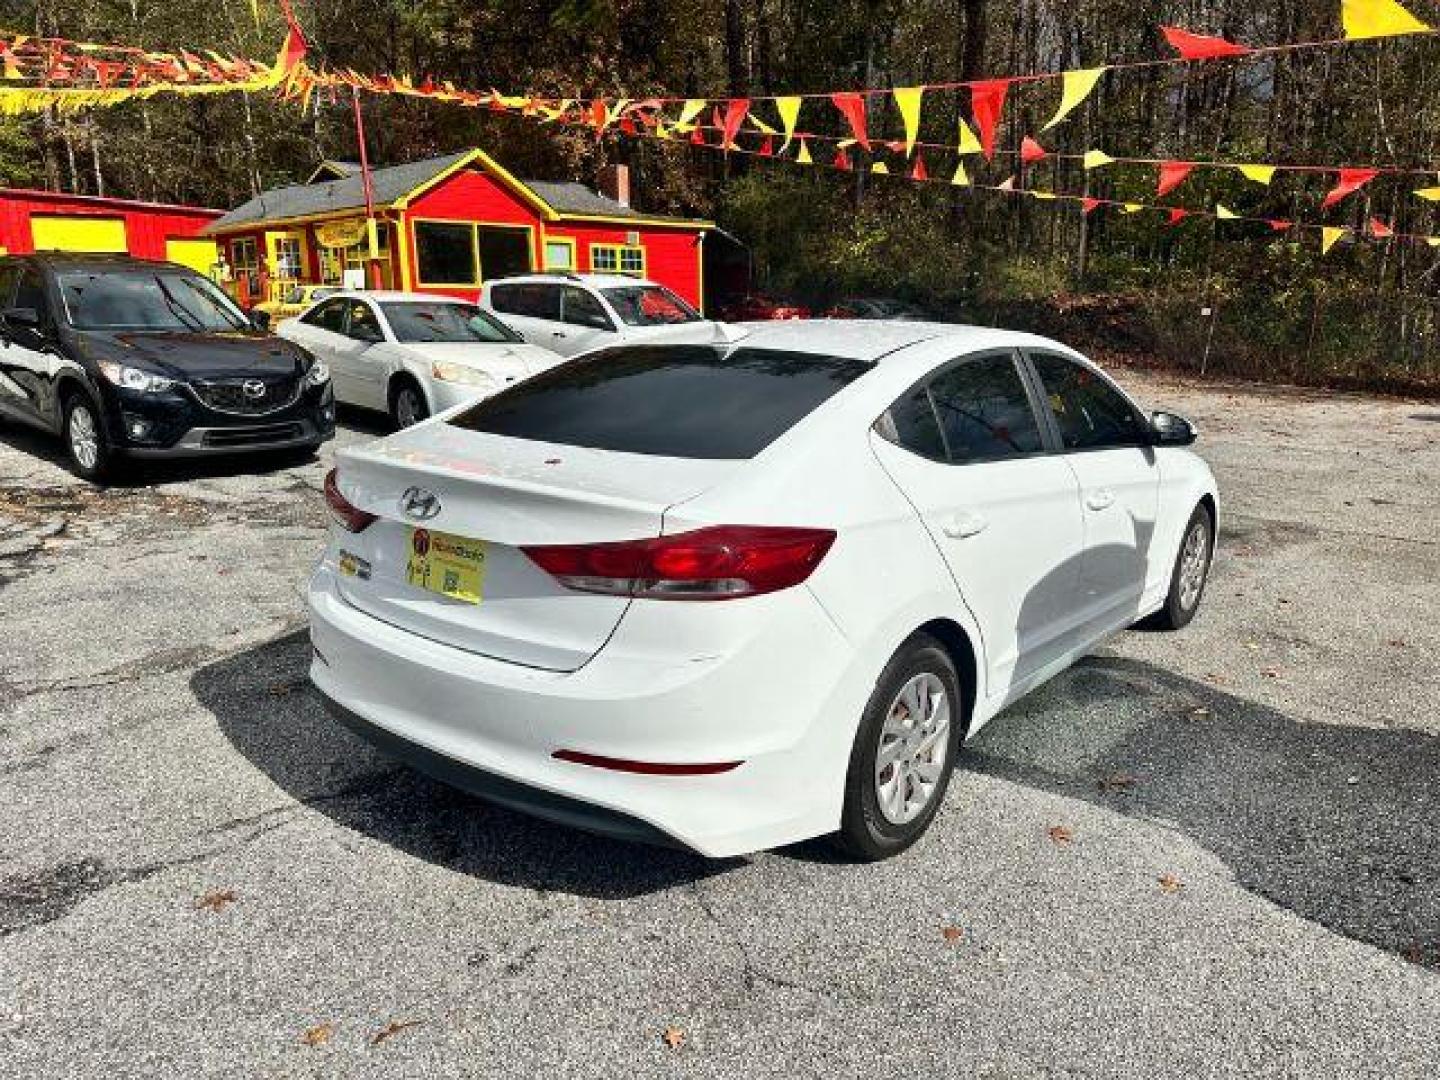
969,144
907,100
1433,241
1045,195
1132,207
1224,213
961,177
1429,194
1095,159
845,144
1076,87
1329,236
1261,174
879,167
1378,18
688,112
789,110
803,157
760,125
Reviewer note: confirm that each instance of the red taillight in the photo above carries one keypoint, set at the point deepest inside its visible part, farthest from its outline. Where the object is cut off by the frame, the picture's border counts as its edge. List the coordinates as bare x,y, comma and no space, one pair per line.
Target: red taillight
722,562
348,517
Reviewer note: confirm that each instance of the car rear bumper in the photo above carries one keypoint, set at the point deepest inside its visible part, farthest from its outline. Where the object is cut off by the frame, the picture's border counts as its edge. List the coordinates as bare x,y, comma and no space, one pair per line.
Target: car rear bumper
493,727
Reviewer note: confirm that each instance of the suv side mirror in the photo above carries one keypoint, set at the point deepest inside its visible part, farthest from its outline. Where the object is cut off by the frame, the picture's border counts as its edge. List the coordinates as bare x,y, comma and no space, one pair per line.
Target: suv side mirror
1167,429
259,319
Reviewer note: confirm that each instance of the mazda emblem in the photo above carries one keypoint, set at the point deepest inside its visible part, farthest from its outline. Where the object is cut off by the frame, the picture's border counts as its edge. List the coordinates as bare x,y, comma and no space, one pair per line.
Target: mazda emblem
253,388
419,503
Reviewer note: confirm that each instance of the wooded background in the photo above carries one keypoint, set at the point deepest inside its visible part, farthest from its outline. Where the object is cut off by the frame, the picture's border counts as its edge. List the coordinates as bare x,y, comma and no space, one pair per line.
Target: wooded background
1365,315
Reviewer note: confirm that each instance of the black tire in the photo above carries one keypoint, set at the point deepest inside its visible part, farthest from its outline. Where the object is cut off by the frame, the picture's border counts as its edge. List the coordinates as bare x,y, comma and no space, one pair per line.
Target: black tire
867,833
405,414
90,458
1181,603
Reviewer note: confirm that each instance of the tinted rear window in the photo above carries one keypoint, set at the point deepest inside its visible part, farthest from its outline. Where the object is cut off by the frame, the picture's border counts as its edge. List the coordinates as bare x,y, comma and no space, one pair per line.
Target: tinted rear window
692,401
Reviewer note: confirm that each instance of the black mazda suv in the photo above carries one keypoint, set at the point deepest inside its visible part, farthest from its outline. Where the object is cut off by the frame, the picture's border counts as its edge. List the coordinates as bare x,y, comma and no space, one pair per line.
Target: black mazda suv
125,358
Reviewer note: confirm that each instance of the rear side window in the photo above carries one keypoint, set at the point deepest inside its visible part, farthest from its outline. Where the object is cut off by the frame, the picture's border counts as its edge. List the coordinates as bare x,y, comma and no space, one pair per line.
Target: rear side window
911,423
534,301
1090,412
983,410
689,401
328,316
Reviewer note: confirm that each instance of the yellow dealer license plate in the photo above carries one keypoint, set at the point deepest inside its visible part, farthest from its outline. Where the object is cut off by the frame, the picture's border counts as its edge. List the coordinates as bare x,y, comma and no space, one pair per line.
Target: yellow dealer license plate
443,563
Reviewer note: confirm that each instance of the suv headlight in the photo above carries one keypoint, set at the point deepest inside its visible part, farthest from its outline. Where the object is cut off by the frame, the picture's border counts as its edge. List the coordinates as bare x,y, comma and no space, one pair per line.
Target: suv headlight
318,375
447,371
134,379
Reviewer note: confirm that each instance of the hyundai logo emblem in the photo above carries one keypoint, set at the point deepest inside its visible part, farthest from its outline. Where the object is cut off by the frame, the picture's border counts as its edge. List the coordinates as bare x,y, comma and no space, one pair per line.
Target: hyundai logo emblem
253,388
419,503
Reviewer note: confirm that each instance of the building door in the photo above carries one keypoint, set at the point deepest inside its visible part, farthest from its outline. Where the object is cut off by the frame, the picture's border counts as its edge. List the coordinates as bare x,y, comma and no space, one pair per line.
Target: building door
53,232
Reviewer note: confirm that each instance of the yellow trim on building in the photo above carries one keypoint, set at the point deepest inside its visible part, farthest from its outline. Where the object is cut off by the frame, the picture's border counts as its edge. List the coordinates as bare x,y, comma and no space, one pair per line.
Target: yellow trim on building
474,227
568,241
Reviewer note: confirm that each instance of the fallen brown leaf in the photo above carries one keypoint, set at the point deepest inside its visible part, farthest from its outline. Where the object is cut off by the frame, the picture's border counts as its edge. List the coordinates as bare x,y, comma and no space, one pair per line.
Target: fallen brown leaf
1117,782
673,1037
390,1030
216,900
952,934
1270,672
1059,834
1170,883
318,1035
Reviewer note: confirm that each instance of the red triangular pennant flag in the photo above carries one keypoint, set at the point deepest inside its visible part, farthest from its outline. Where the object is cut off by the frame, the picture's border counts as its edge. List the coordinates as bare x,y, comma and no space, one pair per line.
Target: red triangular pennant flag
1031,151
1088,204
1279,225
1351,181
599,114
697,137
627,125
1177,215
852,106
734,117
1199,46
1172,175
987,102
1379,229
767,148
842,160
919,172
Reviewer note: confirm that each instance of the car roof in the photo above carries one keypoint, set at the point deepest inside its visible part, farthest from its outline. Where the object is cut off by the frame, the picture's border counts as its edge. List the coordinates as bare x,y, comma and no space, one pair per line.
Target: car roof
391,296
879,338
598,281
90,260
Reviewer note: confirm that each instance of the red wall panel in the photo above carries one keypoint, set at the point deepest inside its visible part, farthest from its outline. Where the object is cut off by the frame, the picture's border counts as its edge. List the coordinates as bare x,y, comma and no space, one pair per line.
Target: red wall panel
672,253
147,225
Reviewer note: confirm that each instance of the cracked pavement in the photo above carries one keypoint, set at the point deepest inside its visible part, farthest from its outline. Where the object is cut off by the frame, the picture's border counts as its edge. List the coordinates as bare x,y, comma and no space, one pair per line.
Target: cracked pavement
1250,883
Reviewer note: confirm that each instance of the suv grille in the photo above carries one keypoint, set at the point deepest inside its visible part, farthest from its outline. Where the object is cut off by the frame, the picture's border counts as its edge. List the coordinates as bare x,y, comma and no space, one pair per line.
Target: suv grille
247,397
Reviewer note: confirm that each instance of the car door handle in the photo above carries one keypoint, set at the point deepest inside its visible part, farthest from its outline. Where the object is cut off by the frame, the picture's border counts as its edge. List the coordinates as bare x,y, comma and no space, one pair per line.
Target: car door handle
961,526
1100,499
557,333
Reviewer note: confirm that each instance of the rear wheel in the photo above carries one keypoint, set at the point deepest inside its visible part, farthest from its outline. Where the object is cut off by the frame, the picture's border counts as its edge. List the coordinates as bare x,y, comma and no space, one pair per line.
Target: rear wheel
407,404
86,447
1191,572
904,752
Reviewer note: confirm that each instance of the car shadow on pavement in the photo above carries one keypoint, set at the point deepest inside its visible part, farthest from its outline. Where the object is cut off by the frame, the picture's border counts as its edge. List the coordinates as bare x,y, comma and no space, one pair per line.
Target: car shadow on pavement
1334,823
265,706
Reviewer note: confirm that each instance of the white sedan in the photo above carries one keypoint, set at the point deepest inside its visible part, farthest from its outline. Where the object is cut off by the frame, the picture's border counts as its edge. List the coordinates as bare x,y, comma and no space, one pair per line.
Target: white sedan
413,355
732,596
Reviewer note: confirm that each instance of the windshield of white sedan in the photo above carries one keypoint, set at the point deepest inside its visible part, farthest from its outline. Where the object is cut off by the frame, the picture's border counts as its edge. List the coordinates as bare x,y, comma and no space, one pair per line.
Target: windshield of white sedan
649,305
136,300
414,321
690,401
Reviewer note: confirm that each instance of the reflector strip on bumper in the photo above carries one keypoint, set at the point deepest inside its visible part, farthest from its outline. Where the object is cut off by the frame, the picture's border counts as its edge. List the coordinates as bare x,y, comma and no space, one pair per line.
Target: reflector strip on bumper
649,768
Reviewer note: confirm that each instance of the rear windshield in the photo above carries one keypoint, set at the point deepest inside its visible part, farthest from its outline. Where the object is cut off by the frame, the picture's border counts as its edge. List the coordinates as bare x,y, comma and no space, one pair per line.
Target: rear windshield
690,401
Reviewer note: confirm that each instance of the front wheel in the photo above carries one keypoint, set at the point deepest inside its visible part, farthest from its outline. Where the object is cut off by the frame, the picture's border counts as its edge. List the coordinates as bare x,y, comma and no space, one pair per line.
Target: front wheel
904,752
407,405
86,446
1191,572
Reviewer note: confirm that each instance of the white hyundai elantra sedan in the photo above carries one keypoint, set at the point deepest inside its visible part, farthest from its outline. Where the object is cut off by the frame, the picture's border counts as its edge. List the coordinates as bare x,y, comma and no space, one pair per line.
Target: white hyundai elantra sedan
732,596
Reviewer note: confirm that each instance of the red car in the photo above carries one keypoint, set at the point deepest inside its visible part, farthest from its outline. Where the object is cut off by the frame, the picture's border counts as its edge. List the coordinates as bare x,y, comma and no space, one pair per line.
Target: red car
756,307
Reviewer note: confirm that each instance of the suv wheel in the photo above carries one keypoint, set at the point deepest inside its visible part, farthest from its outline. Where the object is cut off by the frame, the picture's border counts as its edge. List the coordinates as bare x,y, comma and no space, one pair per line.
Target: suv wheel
85,443
904,752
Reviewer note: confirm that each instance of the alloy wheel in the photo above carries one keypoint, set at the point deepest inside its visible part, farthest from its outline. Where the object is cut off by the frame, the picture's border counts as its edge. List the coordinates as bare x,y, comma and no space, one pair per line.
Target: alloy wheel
1194,562
84,437
407,408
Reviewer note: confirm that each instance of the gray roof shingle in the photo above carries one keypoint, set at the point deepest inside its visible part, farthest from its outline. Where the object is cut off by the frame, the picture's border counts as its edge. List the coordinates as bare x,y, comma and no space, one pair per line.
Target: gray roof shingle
394,181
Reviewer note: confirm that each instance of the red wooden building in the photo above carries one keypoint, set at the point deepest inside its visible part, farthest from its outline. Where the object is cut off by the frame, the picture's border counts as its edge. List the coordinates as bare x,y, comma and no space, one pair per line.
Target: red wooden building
51,221
446,225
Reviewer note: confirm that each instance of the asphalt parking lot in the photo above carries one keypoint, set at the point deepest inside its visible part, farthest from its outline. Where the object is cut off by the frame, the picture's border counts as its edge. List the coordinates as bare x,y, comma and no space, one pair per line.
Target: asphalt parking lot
1206,854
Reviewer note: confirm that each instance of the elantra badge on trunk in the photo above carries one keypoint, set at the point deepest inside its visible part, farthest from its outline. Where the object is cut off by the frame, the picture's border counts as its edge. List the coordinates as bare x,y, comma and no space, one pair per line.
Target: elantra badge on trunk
419,503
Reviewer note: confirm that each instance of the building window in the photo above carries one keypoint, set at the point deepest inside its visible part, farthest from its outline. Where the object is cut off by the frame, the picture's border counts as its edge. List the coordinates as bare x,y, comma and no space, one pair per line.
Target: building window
245,263
617,259
503,251
288,259
559,254
445,253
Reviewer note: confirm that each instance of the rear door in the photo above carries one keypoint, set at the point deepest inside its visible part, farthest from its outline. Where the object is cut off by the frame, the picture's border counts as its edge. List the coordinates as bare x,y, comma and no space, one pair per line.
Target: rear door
587,325
968,449
1106,443
364,363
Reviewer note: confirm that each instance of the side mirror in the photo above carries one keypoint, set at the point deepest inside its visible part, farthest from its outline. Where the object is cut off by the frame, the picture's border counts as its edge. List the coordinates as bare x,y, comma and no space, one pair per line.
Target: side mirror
259,319
27,317
1167,429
